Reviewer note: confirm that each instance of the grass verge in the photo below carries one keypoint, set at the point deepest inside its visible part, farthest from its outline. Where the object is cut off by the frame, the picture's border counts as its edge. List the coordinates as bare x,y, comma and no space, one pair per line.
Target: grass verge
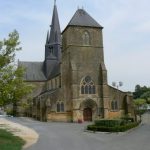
10,142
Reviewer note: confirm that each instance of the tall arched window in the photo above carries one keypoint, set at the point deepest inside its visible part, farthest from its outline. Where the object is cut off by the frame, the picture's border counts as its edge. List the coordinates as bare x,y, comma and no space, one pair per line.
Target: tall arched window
86,38
60,107
114,105
87,86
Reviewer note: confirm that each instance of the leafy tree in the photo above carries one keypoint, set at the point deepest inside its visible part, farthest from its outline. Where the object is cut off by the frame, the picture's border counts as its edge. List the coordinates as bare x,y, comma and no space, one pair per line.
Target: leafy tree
140,107
139,102
139,91
146,96
12,86
8,48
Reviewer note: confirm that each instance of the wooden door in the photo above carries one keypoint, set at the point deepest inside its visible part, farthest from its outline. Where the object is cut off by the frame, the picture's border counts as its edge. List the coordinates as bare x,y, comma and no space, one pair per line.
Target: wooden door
87,114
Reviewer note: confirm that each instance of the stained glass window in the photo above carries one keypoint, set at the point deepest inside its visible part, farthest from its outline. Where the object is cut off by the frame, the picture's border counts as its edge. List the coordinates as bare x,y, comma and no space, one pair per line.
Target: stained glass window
87,86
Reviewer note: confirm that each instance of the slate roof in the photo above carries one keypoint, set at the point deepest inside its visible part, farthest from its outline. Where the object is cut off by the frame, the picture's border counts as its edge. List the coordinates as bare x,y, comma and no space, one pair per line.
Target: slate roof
34,71
82,18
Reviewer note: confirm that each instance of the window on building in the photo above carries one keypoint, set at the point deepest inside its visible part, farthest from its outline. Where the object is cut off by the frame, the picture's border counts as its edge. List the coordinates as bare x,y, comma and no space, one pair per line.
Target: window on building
60,107
55,82
86,38
114,105
51,50
87,86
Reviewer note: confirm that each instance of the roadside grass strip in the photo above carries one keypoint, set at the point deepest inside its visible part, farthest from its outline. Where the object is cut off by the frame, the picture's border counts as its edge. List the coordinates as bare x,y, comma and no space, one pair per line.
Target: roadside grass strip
10,142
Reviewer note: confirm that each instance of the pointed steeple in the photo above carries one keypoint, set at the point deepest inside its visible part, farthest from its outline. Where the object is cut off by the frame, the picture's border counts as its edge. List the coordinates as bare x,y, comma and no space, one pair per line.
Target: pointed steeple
55,33
47,39
53,45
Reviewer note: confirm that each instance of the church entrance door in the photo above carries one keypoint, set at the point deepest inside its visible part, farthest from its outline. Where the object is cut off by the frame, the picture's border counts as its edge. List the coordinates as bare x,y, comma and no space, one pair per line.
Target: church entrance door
87,114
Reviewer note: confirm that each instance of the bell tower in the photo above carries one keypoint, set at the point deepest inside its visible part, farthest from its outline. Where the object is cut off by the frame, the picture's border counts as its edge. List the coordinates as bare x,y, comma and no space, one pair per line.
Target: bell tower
82,59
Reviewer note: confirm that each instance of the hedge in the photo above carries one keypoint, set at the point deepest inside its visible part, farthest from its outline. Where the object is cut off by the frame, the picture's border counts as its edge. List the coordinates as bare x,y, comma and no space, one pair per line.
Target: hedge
108,123
120,128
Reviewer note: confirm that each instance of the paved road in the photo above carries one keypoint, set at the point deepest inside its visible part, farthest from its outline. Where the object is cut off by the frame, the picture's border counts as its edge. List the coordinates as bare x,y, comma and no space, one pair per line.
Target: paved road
69,136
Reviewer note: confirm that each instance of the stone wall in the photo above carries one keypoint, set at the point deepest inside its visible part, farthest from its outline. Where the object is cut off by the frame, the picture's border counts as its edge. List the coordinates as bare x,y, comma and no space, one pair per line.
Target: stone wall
60,117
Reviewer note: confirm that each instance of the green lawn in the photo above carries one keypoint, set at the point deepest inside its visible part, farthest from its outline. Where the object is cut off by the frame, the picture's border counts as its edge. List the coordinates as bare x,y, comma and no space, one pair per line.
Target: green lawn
10,142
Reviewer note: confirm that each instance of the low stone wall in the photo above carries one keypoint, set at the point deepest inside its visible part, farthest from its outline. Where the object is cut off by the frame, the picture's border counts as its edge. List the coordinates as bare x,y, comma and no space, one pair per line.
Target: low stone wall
115,114
59,117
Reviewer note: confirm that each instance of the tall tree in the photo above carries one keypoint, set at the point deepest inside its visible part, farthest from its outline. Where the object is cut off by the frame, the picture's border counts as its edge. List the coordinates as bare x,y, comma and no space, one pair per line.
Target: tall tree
12,86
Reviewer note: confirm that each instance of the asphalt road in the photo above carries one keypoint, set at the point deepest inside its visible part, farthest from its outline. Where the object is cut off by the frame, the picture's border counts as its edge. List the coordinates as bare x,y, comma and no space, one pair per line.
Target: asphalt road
70,136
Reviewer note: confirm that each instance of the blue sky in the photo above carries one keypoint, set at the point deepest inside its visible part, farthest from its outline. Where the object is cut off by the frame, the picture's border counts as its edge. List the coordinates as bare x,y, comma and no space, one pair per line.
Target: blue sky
126,32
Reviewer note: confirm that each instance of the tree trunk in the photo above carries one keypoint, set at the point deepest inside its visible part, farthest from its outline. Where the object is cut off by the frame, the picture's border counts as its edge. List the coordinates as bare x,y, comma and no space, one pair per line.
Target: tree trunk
14,109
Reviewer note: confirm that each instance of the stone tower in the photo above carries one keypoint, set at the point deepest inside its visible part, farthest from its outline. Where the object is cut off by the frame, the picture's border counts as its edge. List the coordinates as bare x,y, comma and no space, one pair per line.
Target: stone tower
84,76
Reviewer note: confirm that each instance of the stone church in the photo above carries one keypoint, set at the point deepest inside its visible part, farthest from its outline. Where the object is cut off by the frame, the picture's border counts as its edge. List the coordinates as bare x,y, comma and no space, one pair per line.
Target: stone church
71,83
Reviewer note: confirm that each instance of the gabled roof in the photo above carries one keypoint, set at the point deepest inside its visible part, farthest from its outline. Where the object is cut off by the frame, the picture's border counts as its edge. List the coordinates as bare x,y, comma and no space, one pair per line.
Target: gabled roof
82,18
33,71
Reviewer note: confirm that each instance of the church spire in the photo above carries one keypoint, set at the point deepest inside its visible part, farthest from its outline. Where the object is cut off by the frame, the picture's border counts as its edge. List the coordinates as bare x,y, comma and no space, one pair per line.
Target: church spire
53,45
47,39
55,33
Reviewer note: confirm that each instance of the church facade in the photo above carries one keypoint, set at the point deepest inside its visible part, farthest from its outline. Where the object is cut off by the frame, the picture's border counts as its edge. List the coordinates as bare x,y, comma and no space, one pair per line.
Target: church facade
71,84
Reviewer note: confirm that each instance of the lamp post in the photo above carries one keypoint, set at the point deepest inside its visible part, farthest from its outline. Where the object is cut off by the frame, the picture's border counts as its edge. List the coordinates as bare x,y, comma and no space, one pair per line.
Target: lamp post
117,85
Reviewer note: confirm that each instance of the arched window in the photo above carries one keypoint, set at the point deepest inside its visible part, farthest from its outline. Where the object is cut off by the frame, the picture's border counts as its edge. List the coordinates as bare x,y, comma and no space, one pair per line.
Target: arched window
60,107
87,86
86,38
51,50
114,105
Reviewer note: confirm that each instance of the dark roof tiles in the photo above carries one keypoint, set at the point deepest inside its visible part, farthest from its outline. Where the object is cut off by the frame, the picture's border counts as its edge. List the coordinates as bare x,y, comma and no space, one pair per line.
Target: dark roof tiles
33,71
82,18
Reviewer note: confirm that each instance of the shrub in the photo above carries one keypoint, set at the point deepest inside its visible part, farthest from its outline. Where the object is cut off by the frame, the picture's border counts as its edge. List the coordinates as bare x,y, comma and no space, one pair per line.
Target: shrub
108,123
9,111
127,119
120,128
